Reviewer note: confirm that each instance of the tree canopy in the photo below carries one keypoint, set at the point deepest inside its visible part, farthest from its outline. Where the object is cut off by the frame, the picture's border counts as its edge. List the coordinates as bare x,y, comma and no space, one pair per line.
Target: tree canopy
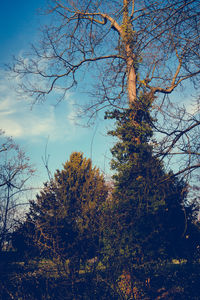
67,211
132,40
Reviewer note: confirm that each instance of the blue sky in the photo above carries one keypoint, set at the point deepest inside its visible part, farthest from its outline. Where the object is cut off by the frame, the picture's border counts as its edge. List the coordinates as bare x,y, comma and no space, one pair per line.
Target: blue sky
46,123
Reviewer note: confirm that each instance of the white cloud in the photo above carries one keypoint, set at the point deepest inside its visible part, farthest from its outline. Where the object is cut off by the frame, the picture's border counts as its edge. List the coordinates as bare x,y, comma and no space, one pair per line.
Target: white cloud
19,121
187,98
192,107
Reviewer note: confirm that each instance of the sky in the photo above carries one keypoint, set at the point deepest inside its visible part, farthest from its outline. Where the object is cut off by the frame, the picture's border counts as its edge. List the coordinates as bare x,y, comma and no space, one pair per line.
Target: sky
42,126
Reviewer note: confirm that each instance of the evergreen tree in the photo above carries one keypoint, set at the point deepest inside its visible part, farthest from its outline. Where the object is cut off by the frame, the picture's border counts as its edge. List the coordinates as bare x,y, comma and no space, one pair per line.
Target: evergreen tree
150,221
67,211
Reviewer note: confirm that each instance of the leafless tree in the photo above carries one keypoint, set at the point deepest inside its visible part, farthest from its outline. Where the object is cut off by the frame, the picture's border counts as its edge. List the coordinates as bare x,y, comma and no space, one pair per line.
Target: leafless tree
15,171
178,139
124,48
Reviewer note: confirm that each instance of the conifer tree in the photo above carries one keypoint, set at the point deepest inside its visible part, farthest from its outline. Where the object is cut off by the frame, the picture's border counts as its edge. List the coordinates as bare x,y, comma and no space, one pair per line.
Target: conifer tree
151,221
67,211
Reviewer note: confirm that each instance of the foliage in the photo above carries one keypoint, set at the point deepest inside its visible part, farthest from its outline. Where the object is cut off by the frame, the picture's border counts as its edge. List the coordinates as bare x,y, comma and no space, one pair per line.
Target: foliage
41,281
67,211
35,281
152,221
142,240
23,240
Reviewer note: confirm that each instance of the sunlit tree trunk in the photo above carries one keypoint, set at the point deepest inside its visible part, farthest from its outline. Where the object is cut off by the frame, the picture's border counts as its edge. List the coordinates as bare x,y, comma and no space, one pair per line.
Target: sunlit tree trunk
127,37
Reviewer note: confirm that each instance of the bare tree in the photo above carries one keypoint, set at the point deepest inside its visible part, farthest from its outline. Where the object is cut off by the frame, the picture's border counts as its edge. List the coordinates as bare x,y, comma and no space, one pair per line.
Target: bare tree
15,170
178,143
126,47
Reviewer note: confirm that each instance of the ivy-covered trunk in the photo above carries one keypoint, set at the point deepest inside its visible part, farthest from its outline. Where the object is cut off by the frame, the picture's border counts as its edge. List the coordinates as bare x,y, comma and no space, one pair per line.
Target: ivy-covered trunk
127,36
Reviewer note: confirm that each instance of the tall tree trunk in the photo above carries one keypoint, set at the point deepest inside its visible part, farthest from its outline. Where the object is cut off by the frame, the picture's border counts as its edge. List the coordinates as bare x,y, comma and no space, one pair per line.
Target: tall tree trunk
131,77
127,38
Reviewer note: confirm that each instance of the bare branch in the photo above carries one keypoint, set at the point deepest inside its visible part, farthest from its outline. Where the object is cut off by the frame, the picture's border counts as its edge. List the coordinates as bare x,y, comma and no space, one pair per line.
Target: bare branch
15,171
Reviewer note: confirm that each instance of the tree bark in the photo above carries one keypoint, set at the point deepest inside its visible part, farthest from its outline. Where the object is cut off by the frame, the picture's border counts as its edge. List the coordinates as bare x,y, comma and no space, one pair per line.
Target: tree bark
127,36
131,77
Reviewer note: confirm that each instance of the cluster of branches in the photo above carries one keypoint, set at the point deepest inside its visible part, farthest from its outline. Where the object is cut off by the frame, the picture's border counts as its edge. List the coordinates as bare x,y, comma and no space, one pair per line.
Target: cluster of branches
15,171
125,48
177,132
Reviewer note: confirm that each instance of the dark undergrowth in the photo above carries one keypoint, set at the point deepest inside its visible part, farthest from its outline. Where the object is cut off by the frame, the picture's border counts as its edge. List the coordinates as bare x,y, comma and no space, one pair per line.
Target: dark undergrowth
40,280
